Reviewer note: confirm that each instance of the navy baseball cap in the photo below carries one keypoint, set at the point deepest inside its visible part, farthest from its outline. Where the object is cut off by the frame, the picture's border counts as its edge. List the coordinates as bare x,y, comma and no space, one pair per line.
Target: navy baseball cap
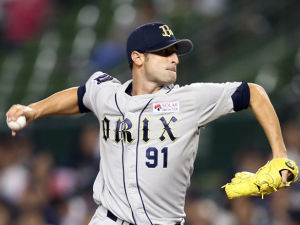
153,37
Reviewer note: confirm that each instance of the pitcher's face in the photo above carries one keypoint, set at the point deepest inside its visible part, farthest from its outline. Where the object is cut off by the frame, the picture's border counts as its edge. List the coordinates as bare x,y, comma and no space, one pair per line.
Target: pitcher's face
161,66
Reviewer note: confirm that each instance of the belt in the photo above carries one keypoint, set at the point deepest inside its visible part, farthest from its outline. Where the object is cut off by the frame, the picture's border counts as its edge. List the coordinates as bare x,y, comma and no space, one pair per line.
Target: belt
111,216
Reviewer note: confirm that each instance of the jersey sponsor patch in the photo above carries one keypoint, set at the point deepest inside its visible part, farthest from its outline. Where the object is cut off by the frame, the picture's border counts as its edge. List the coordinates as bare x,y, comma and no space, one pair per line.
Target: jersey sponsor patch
166,107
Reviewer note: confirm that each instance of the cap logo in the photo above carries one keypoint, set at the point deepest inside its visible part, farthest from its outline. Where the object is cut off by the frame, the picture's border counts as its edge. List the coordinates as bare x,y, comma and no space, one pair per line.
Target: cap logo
167,32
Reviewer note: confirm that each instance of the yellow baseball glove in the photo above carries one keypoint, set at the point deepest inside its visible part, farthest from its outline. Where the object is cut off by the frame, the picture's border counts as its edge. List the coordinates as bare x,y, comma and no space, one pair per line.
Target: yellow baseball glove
265,181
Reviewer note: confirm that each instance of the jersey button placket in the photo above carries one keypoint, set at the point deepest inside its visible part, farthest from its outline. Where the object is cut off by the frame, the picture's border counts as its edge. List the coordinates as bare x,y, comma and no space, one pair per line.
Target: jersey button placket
129,164
131,173
131,176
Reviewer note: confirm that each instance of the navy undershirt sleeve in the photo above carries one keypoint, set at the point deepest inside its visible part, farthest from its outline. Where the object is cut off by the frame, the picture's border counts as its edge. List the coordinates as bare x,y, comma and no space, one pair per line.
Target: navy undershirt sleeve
241,97
80,93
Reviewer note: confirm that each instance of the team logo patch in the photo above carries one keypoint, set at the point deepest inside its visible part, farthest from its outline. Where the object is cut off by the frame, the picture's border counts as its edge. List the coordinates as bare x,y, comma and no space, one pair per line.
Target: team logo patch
166,107
103,78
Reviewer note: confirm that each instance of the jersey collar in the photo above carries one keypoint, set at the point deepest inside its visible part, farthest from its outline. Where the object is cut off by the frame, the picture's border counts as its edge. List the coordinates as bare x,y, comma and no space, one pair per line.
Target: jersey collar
127,86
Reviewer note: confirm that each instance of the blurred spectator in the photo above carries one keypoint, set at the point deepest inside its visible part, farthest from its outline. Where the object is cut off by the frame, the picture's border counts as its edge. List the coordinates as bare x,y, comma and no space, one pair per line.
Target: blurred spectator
31,218
35,197
69,186
41,167
75,211
294,217
107,54
1,19
280,207
199,211
86,158
241,211
246,212
62,182
13,174
88,218
24,19
291,135
5,214
88,145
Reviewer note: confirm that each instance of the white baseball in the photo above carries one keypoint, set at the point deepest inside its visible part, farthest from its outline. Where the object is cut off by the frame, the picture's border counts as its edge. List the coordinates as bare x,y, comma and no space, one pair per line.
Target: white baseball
19,124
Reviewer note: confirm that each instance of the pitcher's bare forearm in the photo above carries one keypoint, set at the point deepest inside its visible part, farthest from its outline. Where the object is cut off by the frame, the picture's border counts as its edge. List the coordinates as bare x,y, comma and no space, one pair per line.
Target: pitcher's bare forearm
267,117
61,103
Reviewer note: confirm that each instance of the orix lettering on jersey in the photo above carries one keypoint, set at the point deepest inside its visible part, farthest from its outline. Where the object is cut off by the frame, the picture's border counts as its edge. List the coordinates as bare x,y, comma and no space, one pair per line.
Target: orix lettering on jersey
122,129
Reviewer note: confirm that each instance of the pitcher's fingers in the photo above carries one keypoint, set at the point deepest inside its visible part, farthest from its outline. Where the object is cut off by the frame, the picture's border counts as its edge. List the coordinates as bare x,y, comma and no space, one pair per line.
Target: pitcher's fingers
14,112
284,175
11,113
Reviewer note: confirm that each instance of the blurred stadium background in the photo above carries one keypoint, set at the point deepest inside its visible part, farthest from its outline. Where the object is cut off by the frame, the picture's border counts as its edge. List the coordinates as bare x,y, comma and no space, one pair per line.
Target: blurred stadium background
47,171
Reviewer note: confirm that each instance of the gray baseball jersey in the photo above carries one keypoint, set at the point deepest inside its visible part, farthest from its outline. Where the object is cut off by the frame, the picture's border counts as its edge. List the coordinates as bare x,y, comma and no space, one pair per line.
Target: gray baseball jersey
148,143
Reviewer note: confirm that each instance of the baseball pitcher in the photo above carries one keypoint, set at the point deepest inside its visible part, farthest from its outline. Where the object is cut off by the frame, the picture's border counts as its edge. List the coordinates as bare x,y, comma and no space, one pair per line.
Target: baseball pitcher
150,127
